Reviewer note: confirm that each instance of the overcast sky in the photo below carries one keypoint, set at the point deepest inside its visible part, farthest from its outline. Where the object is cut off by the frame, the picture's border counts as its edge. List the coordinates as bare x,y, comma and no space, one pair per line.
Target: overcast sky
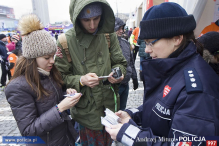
58,9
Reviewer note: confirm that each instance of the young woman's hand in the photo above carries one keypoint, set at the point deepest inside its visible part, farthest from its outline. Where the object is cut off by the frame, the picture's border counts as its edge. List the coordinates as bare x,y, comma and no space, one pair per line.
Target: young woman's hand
114,130
124,116
71,91
69,102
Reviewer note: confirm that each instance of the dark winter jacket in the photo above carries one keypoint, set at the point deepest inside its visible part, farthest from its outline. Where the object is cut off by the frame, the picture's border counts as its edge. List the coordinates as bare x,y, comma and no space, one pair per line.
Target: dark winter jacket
125,46
180,99
142,47
3,51
130,70
19,47
40,117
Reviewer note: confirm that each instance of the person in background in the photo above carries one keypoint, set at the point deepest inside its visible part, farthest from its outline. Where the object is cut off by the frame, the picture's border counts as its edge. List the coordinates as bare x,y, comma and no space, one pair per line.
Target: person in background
12,57
181,95
125,34
35,91
9,38
130,70
210,41
143,56
129,32
4,56
94,55
56,36
133,42
18,44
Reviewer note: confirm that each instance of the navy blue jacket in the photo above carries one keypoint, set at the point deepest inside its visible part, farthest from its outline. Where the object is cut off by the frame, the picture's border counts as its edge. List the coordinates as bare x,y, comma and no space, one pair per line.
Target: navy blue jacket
181,97
3,51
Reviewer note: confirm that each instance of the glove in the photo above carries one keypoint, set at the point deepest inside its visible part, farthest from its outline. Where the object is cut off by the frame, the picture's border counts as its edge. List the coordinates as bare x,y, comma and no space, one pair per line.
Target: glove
135,84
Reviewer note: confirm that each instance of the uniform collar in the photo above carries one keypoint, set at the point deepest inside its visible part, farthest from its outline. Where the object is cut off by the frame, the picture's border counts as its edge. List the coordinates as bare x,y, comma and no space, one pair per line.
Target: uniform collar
159,69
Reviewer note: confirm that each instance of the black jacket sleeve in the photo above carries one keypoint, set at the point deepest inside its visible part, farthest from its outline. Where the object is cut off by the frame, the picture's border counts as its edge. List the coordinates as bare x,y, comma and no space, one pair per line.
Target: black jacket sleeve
11,65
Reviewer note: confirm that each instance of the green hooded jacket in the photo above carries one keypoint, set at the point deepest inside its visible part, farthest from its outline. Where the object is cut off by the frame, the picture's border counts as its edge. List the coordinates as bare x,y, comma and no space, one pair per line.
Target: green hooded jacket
91,54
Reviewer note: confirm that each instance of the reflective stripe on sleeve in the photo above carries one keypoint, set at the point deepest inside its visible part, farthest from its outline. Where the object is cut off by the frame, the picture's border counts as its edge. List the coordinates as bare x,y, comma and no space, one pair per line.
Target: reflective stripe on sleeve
132,131
134,110
126,140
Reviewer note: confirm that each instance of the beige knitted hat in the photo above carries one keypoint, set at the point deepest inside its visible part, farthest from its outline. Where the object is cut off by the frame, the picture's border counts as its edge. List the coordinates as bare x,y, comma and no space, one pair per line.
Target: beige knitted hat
36,41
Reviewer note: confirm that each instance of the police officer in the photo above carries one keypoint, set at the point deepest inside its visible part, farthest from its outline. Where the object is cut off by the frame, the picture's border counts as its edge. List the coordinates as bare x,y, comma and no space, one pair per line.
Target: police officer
181,91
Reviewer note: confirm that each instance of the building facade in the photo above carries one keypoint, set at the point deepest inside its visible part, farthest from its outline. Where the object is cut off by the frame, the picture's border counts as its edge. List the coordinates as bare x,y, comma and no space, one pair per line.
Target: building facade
40,8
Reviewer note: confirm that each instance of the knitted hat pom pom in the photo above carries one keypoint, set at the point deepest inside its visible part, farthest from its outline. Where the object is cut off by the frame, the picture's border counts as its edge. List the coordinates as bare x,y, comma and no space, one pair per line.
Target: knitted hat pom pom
36,40
29,23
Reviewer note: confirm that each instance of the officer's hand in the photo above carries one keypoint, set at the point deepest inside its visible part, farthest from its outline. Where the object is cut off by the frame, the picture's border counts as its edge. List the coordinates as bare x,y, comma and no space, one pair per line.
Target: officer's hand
135,84
133,46
112,80
114,130
124,116
90,80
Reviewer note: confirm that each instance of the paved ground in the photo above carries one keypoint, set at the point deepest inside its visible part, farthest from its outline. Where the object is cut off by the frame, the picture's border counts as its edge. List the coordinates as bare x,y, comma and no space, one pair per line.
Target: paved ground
8,126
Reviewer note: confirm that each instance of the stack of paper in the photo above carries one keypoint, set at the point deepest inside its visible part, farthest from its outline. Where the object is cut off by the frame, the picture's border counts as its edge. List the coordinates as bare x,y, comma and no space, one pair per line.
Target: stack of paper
110,118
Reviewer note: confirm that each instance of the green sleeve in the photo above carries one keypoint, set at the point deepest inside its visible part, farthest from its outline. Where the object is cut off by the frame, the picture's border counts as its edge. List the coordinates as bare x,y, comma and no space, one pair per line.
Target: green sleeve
66,69
116,56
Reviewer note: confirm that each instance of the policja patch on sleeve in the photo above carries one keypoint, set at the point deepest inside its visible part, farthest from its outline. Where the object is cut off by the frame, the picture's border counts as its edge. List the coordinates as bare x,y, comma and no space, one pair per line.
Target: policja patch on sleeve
192,80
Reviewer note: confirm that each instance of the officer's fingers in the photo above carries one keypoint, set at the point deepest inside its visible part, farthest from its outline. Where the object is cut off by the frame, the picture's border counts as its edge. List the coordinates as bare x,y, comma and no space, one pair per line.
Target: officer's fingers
116,126
118,113
108,130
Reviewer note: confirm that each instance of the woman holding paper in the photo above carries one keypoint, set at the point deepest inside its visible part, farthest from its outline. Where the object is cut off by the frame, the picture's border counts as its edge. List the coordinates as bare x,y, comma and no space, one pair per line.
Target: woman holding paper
35,91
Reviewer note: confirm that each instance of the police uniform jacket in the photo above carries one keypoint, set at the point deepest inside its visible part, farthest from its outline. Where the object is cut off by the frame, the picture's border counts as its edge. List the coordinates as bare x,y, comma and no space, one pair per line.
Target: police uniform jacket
181,98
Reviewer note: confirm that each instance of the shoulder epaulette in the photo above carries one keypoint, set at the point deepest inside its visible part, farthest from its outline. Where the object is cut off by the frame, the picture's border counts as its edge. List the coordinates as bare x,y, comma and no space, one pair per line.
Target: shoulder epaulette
192,80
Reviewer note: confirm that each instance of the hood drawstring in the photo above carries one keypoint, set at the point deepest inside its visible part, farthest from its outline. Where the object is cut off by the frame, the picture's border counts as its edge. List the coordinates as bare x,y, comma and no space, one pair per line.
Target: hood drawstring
85,58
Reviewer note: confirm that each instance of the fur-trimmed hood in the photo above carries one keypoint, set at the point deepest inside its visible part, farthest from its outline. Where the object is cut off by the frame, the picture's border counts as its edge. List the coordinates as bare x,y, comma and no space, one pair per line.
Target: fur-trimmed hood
207,56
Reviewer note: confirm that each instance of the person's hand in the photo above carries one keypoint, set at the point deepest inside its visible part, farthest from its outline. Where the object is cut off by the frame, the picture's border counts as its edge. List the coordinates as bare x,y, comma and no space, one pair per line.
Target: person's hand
114,130
135,84
90,80
113,80
69,102
124,116
71,91
133,46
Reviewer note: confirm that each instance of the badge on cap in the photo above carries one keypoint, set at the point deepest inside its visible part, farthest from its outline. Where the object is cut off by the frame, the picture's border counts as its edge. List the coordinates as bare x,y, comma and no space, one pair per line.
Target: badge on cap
88,11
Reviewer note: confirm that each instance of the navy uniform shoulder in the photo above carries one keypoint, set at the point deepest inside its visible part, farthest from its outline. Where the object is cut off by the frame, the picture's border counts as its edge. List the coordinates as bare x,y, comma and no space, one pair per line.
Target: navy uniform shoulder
192,80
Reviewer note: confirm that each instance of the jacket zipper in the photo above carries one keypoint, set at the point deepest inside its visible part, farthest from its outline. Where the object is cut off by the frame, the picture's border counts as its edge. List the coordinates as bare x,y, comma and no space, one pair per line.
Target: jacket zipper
55,90
48,138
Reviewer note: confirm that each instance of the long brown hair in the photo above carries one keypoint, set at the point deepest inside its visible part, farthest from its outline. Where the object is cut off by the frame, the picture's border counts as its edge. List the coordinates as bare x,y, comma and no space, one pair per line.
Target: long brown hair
191,37
28,68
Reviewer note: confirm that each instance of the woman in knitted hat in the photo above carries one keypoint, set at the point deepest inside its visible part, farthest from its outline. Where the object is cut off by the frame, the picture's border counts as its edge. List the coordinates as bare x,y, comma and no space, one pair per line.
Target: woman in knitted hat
35,90
181,90
210,42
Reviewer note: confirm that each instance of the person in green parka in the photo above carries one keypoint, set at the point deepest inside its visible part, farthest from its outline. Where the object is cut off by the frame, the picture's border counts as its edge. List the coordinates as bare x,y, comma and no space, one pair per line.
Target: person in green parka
92,56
